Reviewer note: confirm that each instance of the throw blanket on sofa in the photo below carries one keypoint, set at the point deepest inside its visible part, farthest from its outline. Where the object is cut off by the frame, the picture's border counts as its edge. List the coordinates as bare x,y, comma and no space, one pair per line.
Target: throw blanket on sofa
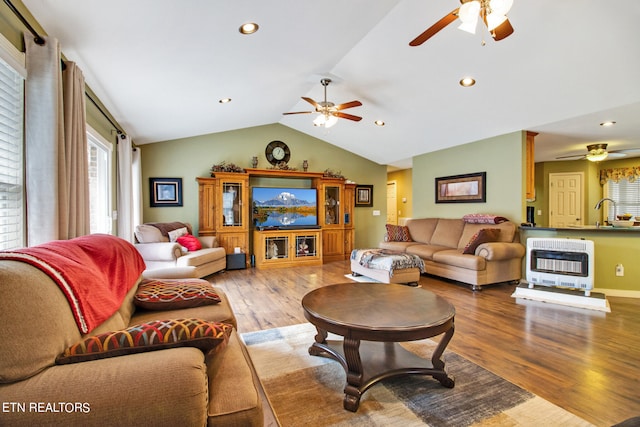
94,272
384,259
166,227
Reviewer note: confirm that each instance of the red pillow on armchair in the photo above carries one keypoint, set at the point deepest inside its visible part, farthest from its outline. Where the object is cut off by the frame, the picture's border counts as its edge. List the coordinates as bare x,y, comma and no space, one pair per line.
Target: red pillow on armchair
190,242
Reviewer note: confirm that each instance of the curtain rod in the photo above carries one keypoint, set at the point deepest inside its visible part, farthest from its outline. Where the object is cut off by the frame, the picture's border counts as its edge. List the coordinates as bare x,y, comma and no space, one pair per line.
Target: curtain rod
121,133
39,40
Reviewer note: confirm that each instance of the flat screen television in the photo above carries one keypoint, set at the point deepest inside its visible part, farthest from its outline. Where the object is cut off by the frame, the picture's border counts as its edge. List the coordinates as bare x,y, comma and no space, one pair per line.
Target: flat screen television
284,207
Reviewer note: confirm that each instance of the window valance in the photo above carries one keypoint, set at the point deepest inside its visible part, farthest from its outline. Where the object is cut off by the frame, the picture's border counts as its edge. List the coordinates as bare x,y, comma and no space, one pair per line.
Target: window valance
616,174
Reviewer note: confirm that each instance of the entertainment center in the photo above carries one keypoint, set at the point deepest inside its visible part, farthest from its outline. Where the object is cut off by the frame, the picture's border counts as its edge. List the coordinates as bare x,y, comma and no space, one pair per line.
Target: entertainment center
289,225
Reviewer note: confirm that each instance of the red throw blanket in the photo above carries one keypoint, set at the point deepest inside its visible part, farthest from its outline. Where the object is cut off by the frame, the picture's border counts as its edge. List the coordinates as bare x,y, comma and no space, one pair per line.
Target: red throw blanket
94,272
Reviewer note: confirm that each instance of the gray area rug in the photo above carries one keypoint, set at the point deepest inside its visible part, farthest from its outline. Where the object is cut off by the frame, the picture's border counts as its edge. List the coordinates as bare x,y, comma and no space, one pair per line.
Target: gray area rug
308,390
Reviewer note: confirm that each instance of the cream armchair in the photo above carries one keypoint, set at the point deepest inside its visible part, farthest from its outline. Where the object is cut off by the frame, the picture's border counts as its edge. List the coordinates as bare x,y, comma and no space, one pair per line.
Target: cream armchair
169,259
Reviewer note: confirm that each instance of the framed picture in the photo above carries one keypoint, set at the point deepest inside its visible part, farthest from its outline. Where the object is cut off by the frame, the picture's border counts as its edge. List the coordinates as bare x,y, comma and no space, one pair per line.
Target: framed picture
364,196
469,188
165,192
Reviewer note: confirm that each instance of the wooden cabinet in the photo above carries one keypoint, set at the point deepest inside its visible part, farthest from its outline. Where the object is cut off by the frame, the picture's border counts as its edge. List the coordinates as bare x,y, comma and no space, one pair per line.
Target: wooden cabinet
530,166
287,248
224,209
335,210
349,227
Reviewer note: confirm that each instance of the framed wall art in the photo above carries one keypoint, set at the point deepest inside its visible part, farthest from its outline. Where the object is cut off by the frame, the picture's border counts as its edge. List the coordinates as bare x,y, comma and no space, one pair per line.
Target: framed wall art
364,196
165,192
468,188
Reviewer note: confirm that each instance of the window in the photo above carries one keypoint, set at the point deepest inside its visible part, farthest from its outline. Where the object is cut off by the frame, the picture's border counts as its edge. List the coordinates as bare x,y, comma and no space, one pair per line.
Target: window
627,197
99,152
12,211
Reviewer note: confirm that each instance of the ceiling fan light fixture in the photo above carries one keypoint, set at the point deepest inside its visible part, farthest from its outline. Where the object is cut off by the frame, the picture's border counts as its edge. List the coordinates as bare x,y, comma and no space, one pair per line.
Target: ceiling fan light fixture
597,157
469,13
597,152
501,7
332,120
607,124
494,20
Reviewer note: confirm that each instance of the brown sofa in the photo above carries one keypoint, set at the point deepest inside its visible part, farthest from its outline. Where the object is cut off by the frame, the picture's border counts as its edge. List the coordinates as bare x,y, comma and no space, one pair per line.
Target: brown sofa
440,242
170,387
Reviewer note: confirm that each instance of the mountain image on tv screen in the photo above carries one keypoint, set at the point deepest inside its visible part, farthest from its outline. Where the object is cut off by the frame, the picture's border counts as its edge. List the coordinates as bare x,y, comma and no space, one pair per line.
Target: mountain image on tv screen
277,207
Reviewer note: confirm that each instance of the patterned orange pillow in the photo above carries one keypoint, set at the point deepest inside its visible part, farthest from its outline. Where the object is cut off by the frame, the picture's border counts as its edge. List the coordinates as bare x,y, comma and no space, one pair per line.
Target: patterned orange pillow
397,233
155,335
482,236
171,294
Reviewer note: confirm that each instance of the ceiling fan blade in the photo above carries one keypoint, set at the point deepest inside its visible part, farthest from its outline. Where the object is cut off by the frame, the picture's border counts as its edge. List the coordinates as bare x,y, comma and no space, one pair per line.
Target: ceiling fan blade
626,151
432,30
312,102
347,116
502,31
616,154
298,112
572,157
348,105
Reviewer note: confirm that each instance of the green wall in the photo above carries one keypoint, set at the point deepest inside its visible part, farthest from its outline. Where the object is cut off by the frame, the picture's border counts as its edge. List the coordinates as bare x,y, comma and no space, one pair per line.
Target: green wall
501,157
193,157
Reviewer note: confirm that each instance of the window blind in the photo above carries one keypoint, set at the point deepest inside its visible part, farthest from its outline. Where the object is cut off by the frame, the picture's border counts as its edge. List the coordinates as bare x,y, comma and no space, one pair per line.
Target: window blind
627,197
11,158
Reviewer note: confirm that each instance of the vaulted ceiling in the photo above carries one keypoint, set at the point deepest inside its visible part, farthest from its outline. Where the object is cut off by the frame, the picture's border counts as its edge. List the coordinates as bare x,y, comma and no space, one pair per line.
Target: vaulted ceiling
161,66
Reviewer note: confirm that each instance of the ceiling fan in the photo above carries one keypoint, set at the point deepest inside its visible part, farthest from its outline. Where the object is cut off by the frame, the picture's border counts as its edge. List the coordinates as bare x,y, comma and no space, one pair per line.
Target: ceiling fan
328,111
492,12
598,152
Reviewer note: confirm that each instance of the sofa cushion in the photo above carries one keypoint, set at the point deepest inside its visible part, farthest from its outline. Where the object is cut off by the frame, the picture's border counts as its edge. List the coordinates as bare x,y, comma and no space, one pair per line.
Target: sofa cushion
425,251
155,335
190,242
170,294
397,246
422,229
482,236
149,234
178,232
455,258
397,233
447,232
200,257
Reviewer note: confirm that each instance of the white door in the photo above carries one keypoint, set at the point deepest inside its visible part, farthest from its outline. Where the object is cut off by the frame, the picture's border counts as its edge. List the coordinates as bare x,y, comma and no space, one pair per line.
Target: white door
392,203
565,199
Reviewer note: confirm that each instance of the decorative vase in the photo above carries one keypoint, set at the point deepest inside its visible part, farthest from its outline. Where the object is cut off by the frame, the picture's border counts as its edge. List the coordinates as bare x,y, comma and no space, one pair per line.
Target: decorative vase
305,165
254,162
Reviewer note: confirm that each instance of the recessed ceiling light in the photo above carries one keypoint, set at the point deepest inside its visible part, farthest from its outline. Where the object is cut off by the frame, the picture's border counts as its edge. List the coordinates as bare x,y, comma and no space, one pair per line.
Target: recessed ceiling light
467,82
607,124
379,122
224,100
248,28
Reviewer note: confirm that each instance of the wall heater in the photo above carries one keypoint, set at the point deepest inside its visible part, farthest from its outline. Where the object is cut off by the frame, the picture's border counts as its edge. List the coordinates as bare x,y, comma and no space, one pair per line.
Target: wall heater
558,262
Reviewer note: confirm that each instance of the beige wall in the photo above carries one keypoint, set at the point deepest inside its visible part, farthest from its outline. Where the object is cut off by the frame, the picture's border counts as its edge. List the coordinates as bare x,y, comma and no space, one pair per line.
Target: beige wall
500,157
189,158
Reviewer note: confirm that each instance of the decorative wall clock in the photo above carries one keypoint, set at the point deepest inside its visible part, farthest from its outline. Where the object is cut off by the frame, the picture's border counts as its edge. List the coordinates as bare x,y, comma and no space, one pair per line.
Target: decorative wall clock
277,152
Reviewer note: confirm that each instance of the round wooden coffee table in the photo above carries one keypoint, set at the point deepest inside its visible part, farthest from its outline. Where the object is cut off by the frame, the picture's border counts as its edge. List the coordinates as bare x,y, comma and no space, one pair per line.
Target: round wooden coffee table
381,316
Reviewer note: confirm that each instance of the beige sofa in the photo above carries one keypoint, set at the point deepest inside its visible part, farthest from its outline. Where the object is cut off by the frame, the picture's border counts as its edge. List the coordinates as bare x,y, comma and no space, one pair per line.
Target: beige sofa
165,258
169,387
440,242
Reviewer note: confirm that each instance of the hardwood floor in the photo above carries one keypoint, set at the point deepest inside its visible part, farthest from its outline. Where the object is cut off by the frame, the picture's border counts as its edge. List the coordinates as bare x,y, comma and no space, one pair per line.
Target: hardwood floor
585,361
